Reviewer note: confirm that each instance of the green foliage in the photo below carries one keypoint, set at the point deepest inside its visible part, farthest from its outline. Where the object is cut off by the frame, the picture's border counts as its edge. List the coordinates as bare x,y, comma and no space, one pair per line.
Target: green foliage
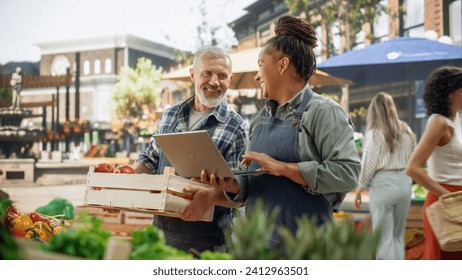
149,244
8,248
137,88
6,94
419,191
149,234
332,241
250,235
182,57
87,239
304,244
209,255
353,14
58,206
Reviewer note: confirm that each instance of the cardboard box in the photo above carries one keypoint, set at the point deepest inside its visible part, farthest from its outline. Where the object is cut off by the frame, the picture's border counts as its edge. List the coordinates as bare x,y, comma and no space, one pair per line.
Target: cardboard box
142,193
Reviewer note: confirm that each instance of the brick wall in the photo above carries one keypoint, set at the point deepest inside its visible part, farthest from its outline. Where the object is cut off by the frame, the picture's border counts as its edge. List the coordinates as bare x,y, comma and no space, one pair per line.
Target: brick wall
434,16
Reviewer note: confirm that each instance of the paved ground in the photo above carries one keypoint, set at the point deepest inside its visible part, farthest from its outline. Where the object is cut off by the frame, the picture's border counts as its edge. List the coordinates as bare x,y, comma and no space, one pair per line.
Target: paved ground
28,198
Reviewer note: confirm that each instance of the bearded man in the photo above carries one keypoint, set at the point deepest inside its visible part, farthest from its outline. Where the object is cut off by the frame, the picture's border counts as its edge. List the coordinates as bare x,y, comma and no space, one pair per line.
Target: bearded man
208,110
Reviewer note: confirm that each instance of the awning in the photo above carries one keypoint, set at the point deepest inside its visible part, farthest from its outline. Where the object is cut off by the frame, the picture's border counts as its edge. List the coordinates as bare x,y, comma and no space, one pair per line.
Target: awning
245,68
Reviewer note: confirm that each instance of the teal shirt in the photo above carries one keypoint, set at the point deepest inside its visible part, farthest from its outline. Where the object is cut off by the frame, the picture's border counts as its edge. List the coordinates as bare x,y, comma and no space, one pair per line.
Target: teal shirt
330,163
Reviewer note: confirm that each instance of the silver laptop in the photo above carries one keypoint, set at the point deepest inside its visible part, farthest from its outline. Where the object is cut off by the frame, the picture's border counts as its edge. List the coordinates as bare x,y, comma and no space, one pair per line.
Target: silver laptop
194,151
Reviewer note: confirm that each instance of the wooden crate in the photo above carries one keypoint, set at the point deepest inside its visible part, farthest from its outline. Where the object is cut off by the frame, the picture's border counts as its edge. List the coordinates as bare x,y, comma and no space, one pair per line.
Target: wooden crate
122,230
115,217
142,193
414,217
134,218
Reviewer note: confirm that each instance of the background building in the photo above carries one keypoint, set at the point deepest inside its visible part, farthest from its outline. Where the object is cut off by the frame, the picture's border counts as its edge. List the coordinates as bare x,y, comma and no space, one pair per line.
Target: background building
434,19
95,64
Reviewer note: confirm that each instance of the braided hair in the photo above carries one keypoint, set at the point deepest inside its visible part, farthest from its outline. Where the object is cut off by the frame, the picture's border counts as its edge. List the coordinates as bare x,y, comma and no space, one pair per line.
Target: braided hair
296,39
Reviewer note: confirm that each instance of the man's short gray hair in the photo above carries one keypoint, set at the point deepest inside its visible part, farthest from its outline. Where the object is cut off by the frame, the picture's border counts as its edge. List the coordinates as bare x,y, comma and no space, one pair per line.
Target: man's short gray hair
212,51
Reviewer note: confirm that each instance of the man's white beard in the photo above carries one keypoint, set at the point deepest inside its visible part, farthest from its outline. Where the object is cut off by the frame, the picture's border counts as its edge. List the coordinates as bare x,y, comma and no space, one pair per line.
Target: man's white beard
210,102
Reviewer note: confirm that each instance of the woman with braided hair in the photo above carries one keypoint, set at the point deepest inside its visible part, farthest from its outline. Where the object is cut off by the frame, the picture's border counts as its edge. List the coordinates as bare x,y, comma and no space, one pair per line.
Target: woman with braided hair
303,140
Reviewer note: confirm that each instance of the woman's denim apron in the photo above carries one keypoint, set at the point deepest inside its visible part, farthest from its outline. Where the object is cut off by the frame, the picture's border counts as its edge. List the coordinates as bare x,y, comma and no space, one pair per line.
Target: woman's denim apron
198,235
279,139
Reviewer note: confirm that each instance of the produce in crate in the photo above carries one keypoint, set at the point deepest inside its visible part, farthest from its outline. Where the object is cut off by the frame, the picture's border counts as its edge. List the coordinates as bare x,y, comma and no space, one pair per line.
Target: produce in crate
104,167
125,169
143,193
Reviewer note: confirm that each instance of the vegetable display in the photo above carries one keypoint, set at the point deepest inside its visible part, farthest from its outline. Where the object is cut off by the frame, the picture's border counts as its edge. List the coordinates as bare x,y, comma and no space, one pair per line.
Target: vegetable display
86,239
8,248
58,206
249,238
33,225
149,244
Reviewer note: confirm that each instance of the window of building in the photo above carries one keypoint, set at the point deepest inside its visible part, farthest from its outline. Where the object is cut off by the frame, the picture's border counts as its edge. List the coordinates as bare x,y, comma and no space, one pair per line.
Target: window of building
413,18
108,66
97,66
86,67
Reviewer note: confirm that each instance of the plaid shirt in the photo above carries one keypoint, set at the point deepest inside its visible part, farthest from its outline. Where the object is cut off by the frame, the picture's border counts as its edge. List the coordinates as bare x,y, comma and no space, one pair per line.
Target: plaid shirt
230,134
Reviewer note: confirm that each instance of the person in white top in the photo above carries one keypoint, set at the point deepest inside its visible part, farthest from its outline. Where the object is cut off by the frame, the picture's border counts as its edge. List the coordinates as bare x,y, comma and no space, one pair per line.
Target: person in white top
440,148
388,145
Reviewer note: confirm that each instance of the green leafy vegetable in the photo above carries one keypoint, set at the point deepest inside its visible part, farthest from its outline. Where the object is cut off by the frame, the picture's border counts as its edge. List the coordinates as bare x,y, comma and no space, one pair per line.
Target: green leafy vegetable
58,206
149,244
86,239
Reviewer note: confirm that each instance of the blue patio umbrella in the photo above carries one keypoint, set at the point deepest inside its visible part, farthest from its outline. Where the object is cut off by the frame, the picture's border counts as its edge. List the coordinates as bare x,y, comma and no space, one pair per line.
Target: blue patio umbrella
399,59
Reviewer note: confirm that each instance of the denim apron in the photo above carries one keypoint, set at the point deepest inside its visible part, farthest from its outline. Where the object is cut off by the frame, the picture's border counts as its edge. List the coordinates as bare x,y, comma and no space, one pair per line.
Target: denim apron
279,139
198,235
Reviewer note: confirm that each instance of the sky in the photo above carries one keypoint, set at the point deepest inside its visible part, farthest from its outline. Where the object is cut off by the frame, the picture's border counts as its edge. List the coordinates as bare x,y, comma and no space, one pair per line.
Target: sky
170,22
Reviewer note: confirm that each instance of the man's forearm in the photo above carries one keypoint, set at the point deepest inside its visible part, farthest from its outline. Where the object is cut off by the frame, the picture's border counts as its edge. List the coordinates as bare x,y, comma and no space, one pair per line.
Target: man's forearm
140,168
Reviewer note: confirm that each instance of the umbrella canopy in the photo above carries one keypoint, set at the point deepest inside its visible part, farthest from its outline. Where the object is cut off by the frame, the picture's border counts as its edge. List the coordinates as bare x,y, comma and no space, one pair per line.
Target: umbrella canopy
245,68
395,60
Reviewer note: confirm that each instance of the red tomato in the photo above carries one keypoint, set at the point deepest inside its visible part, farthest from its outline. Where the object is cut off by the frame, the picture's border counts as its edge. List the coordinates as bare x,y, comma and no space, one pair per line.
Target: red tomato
126,169
104,167
35,217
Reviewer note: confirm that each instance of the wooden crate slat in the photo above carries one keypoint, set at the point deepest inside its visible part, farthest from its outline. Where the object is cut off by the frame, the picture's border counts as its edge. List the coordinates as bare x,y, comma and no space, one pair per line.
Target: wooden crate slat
125,198
122,181
135,218
176,183
143,193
